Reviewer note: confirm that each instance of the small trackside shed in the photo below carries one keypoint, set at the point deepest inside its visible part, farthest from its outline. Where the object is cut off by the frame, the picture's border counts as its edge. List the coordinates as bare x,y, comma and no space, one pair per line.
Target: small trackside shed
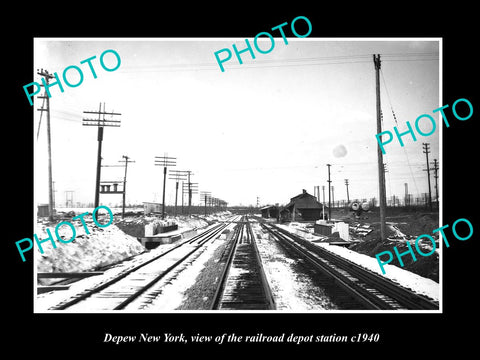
269,211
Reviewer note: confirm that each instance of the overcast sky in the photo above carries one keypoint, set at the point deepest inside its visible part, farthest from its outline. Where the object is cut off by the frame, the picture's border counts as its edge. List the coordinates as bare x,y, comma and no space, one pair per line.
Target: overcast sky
266,128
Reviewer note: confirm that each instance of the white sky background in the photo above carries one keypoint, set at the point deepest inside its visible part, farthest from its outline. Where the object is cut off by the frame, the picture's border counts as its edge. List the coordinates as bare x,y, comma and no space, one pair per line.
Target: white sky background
266,128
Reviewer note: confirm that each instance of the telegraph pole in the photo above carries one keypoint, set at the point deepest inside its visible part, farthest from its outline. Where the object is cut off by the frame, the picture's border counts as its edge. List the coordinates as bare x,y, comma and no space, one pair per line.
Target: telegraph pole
323,203
206,195
435,169
100,123
190,188
346,184
329,203
164,161
47,77
189,192
426,151
381,174
178,175
69,198
126,161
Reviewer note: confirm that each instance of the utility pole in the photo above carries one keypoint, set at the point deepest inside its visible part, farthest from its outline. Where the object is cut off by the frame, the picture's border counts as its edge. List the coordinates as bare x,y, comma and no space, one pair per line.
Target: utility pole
164,161
178,175
329,203
189,173
126,161
189,188
69,198
323,203
47,77
381,174
426,151
435,169
100,123
206,195
348,197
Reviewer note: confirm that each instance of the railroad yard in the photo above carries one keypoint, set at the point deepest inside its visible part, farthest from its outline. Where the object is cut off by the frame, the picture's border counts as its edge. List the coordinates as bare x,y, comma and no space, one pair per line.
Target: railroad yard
225,262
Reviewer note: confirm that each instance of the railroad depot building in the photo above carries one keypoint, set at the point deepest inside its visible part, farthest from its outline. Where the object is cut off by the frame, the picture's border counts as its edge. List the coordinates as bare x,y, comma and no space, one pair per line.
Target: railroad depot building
303,207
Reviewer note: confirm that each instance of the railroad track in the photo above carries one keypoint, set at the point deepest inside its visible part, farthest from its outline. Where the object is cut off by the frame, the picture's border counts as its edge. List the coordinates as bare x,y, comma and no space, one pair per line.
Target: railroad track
118,292
243,284
373,291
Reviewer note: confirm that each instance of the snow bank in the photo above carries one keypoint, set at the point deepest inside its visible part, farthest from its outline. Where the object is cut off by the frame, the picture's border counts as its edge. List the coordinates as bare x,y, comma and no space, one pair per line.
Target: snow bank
103,246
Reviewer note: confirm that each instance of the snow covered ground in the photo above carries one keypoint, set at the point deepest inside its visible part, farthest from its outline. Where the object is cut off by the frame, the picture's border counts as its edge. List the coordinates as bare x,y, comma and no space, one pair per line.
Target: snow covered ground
418,284
292,289
103,246
44,301
174,287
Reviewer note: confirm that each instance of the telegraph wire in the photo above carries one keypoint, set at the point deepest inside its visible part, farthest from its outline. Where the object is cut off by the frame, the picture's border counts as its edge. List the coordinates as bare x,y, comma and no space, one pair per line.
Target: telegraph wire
310,61
395,118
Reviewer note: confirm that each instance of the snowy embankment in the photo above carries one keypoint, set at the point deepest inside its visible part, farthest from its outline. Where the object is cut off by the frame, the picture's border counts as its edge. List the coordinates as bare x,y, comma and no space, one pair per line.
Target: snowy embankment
407,279
101,247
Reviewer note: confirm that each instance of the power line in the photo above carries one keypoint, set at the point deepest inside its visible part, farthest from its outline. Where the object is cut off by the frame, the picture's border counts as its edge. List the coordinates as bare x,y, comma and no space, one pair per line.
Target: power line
311,61
395,119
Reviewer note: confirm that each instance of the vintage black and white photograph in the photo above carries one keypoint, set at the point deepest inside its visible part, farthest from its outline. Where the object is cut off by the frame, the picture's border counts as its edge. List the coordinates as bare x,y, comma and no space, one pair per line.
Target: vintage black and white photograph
268,174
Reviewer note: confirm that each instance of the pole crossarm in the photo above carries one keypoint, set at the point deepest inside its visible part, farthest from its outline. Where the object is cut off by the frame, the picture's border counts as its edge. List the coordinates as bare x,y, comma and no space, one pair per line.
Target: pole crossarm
93,122
100,123
101,113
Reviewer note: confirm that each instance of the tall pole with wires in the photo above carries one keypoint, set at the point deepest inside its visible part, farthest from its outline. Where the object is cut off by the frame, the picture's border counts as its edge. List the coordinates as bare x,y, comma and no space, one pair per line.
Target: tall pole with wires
348,197
46,98
164,161
100,123
426,151
435,169
126,161
329,192
381,174
178,175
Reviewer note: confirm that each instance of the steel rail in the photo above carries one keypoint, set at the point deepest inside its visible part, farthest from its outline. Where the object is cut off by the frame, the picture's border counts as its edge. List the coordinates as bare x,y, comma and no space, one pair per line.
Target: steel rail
244,237
329,262
89,292
217,297
143,289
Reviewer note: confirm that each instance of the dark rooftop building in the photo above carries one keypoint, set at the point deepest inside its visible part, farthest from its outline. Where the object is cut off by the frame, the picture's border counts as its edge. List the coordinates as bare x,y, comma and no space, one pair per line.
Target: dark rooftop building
303,207
269,211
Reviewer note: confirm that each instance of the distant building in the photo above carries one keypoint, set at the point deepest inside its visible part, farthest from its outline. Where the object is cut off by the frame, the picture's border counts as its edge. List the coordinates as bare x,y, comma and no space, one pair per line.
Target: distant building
269,211
303,207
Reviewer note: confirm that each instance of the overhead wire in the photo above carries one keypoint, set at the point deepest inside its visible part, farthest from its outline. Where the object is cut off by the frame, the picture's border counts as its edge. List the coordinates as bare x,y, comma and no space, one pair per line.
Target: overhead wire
396,122
271,63
40,121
